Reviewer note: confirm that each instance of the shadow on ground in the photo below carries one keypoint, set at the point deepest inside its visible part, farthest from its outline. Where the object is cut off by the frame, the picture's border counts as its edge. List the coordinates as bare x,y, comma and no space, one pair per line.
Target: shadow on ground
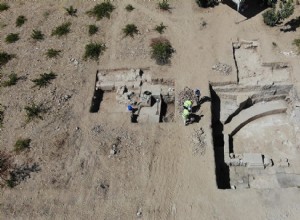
222,170
249,9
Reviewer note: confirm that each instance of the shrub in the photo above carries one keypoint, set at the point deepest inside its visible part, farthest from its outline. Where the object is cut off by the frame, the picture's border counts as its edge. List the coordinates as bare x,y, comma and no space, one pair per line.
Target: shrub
22,144
62,29
4,7
94,50
161,50
46,14
207,3
71,11
296,42
102,10
12,38
52,53
6,165
37,35
93,29
20,20
1,115
13,78
44,79
129,8
5,57
164,5
130,30
272,17
160,28
34,111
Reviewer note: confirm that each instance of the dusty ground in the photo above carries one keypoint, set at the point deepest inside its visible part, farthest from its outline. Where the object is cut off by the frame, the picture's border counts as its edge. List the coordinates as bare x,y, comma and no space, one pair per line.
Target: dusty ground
155,170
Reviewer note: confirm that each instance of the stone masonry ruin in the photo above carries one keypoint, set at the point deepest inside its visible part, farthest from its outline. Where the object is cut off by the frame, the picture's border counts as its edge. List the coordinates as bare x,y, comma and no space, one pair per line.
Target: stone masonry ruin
116,89
256,130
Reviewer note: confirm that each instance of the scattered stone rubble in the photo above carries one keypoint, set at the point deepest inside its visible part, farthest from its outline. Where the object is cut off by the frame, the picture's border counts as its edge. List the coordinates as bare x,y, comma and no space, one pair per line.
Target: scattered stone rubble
185,94
137,88
198,141
222,68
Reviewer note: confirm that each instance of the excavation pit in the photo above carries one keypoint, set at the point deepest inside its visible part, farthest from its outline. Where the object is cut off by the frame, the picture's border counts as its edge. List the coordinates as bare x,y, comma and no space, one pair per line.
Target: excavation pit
133,91
255,124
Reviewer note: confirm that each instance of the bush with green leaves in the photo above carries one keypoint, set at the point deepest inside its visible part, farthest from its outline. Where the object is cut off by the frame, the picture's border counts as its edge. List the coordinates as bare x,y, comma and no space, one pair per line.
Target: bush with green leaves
37,35
94,50
1,115
93,29
62,29
274,16
22,144
160,28
52,53
12,38
4,7
207,3
130,30
102,10
296,42
12,80
20,20
71,11
34,111
129,8
164,5
5,58
44,79
161,50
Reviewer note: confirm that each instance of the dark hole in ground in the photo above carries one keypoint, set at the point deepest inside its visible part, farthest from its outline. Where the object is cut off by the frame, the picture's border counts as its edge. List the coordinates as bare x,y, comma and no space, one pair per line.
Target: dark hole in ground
249,9
167,111
222,170
97,98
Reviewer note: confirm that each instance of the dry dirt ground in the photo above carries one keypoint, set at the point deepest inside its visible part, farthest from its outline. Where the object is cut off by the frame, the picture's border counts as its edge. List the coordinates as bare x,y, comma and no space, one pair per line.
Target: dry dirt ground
155,170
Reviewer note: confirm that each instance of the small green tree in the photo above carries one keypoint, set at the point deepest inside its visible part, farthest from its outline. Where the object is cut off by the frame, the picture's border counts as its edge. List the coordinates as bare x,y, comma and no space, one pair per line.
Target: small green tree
161,50
22,144
12,80
94,50
160,28
4,7
12,38
34,111
296,42
62,29
129,8
93,29
71,11
20,20
37,35
44,79
5,58
102,10
130,30
164,5
52,53
1,115
274,16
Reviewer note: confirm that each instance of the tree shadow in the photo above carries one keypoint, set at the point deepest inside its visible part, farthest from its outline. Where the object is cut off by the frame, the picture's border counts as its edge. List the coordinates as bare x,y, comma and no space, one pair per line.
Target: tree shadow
291,25
21,173
249,8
